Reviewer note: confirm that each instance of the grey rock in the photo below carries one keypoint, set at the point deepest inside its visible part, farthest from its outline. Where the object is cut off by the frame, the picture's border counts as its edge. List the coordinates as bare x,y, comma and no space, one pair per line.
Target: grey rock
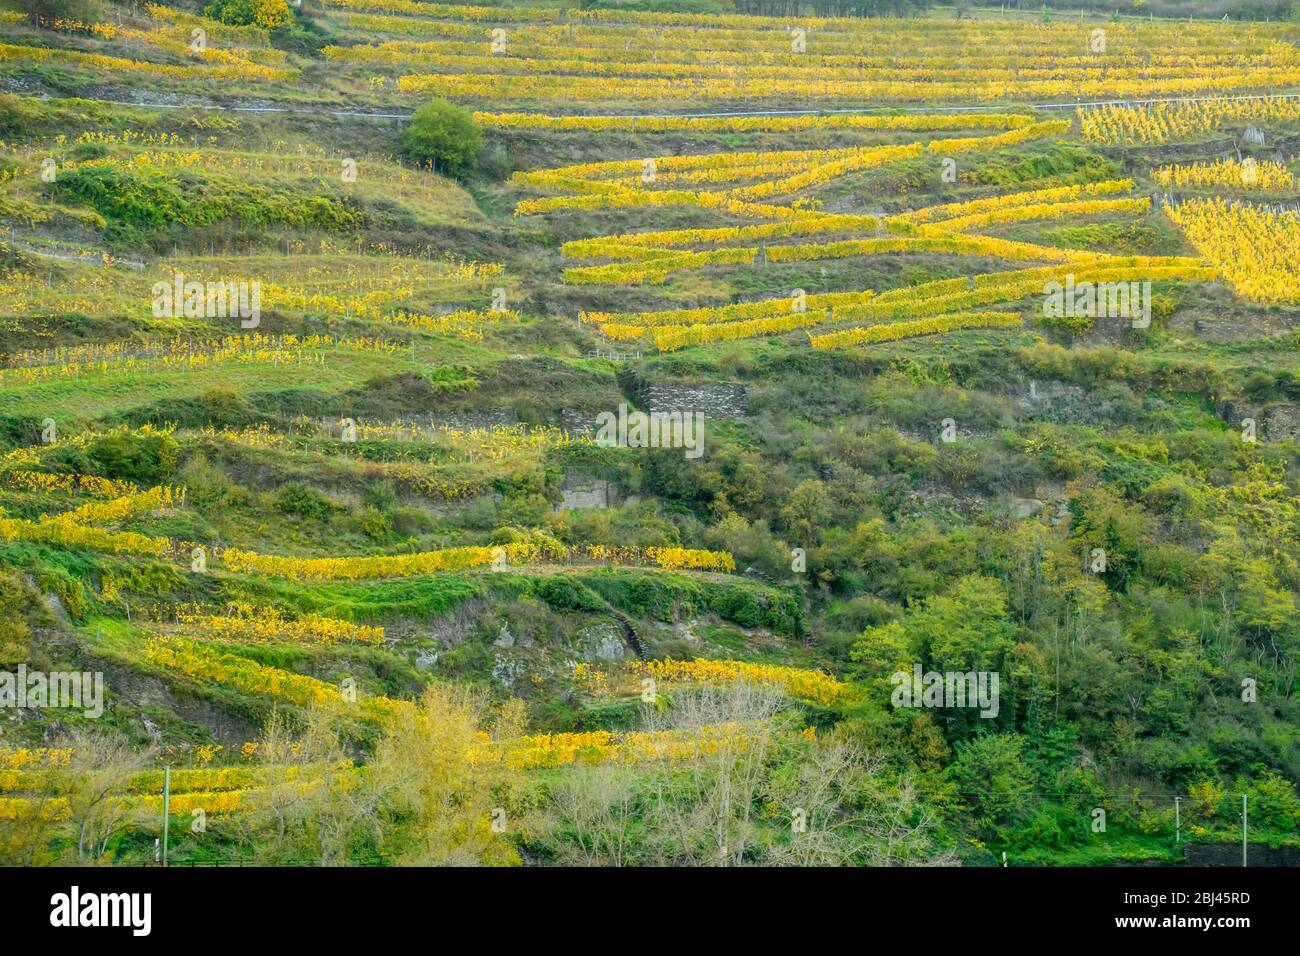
602,642
1282,423
150,728
507,672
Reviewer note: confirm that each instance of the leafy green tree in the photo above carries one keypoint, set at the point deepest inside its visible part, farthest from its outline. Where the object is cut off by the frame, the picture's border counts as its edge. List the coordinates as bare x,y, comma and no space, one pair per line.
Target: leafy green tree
806,512
445,136
965,629
992,775
1103,520
968,627
884,648
1274,803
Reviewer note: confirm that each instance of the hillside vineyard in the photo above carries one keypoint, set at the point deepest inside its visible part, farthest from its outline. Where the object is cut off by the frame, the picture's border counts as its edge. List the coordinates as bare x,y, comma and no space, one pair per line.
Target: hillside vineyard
651,433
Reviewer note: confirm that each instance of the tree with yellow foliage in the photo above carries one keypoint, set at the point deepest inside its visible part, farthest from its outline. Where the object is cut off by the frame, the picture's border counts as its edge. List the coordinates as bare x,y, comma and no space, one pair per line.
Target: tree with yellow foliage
268,14
422,775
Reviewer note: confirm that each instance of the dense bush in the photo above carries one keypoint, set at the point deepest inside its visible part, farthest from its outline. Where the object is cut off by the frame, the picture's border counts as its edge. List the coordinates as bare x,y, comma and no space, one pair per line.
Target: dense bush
565,593
445,136
268,14
304,502
670,598
138,203
147,458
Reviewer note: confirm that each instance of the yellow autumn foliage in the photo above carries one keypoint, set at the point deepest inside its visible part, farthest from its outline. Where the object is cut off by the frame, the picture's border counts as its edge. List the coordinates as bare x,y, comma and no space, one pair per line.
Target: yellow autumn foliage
806,684
246,622
1256,250
894,331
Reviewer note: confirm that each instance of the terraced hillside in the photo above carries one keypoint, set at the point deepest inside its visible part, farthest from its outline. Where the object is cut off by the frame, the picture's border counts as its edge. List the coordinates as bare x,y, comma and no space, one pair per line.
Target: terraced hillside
331,335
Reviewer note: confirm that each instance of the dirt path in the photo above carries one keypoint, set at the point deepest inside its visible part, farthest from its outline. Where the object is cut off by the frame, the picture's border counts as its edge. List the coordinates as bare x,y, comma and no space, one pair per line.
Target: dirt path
249,107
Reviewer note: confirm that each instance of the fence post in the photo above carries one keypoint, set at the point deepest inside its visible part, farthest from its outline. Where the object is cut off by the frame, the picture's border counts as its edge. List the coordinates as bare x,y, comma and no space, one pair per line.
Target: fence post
1244,829
1178,822
167,794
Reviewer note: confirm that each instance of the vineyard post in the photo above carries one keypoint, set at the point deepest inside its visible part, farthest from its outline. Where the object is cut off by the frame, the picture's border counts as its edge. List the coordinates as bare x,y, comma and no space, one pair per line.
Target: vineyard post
1178,822
1244,828
167,794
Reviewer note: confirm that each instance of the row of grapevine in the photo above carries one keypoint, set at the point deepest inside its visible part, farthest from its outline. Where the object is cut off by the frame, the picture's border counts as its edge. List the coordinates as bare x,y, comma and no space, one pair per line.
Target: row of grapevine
895,331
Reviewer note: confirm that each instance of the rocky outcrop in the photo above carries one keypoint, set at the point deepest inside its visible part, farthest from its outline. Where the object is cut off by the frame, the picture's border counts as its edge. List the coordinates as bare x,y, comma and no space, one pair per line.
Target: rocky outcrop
583,492
714,399
602,642
1278,422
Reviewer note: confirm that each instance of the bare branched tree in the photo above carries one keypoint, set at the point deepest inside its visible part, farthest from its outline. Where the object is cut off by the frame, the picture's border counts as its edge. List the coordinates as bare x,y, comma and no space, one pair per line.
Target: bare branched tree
844,811
594,811
703,813
94,784
312,809
727,785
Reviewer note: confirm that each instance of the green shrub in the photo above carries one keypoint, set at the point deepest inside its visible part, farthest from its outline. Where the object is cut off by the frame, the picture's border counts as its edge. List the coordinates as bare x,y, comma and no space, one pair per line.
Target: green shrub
304,38
147,458
67,587
83,152
445,136
375,524
664,599
565,593
380,497
137,203
641,595
304,502
737,605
